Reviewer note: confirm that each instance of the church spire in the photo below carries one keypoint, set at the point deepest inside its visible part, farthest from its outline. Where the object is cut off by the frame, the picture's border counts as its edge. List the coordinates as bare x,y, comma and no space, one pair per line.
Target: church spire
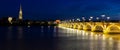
20,13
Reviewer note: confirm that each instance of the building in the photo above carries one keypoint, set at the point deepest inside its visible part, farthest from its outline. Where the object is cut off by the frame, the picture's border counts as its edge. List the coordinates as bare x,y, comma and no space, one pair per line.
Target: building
20,13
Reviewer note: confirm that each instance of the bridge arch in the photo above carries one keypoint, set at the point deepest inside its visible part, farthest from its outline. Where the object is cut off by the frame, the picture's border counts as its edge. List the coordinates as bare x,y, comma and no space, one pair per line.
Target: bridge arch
75,25
98,28
80,26
72,26
112,29
87,26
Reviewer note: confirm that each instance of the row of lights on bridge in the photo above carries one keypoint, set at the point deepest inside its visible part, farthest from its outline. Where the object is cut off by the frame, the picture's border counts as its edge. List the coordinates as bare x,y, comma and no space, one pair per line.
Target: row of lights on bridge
90,19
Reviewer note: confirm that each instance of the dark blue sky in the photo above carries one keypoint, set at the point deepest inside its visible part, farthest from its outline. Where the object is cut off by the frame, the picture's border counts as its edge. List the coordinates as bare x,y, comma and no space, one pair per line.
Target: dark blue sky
60,9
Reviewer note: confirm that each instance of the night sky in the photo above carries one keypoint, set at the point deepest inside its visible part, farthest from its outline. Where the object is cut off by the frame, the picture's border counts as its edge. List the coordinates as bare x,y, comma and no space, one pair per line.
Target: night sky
60,9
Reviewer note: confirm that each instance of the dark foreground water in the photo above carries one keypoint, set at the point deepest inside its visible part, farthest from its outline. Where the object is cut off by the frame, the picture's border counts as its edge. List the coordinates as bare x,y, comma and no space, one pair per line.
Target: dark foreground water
55,38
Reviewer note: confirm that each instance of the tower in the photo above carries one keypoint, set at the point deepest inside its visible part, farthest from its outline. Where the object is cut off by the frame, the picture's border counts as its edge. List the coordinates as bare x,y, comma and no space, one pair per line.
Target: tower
20,13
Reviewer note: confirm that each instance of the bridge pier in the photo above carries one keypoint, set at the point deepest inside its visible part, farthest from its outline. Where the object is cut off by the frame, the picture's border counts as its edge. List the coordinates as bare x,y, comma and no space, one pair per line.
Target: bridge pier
80,27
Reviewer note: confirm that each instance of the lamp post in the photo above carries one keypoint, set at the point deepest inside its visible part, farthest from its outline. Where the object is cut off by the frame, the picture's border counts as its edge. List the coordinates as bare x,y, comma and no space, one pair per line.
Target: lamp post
90,19
83,18
73,20
78,19
97,19
103,19
108,19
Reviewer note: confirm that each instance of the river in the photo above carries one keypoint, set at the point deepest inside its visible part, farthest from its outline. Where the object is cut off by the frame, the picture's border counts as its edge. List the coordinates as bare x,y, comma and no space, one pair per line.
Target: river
55,38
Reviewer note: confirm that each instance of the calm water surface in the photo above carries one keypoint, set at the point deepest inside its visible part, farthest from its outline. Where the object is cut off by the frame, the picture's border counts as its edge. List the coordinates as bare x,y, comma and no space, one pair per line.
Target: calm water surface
55,38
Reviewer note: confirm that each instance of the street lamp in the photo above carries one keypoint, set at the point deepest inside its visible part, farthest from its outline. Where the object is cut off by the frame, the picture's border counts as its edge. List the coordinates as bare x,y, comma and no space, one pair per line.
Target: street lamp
78,19
97,19
91,17
103,19
83,18
108,18
70,20
103,16
10,20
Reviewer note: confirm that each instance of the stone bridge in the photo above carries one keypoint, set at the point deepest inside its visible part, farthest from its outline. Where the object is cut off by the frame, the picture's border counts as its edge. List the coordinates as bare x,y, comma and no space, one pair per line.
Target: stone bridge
106,27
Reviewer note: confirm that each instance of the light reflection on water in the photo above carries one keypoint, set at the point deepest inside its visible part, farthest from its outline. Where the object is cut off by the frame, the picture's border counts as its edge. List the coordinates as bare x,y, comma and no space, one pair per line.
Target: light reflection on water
9,33
20,32
56,38
87,40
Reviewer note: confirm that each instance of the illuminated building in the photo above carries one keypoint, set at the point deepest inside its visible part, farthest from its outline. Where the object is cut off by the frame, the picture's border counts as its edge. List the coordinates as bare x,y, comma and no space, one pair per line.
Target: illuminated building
10,19
57,21
20,13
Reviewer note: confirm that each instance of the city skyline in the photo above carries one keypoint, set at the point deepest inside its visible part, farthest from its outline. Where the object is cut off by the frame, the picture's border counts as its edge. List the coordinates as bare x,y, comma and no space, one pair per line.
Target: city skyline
60,9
